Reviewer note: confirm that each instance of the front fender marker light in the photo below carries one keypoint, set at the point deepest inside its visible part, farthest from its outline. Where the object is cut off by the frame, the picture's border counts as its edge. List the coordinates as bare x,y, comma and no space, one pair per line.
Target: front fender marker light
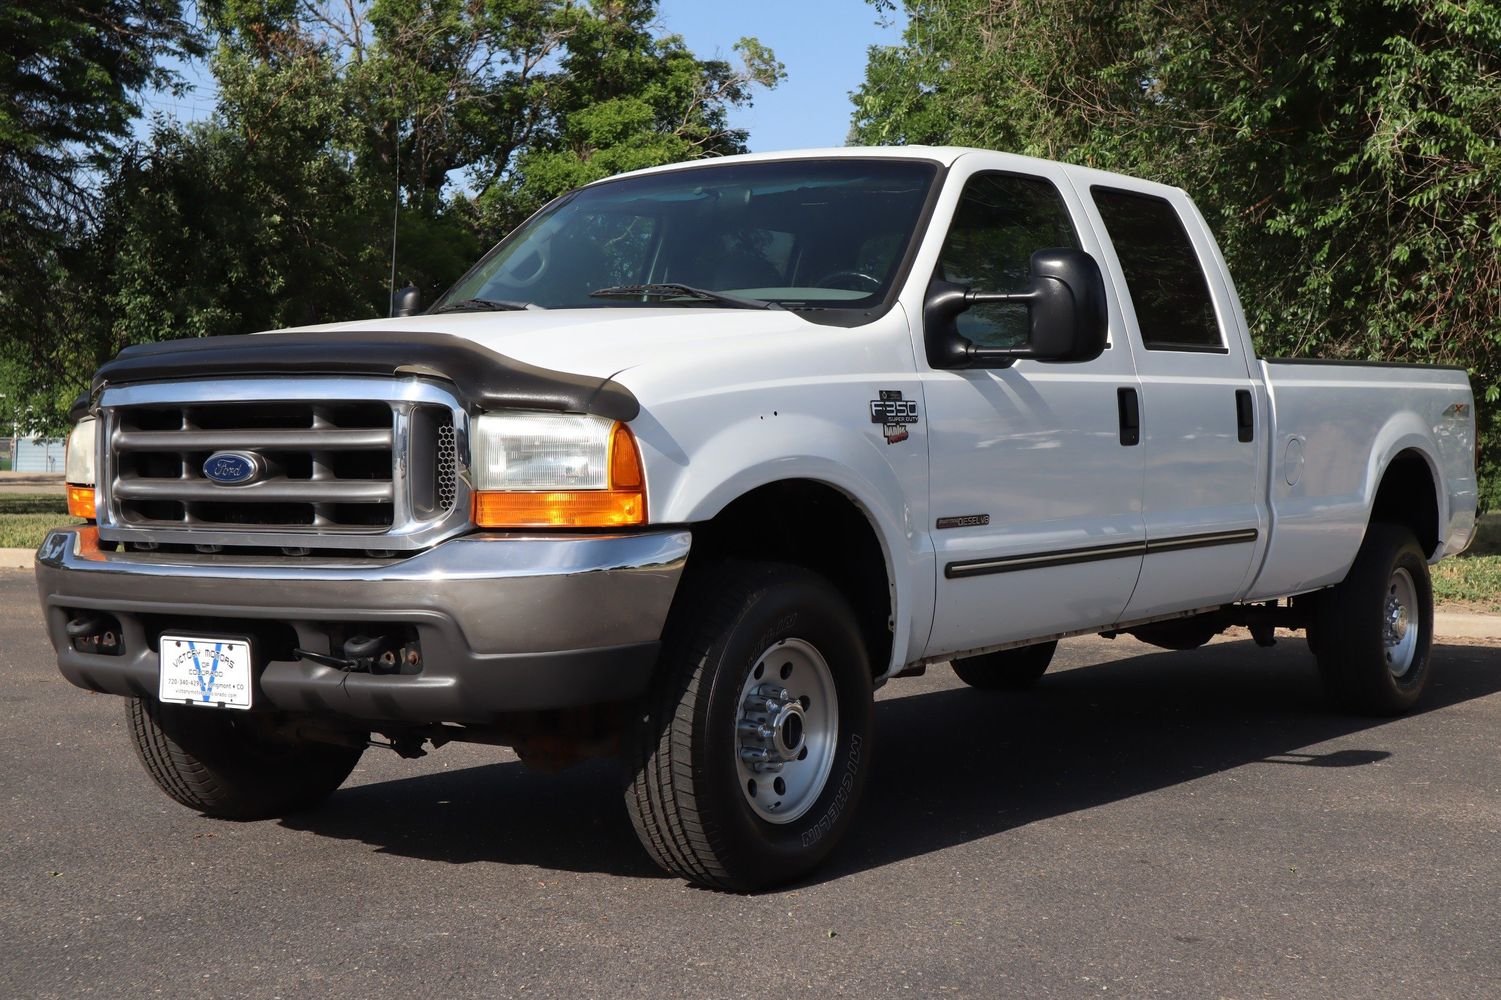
622,504
81,502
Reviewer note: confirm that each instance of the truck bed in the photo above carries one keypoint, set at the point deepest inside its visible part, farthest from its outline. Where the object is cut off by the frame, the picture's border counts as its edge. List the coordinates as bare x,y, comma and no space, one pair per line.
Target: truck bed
1336,426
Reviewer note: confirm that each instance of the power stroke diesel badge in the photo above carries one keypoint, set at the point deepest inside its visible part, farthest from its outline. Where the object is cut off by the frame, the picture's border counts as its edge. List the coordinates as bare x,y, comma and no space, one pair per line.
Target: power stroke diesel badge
894,414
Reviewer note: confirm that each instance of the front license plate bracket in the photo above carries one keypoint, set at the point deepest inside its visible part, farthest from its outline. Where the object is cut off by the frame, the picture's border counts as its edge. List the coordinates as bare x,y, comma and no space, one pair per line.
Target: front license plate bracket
208,671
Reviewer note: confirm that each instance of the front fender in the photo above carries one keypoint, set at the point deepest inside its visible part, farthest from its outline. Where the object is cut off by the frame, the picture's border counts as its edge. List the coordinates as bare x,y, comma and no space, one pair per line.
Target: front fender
884,481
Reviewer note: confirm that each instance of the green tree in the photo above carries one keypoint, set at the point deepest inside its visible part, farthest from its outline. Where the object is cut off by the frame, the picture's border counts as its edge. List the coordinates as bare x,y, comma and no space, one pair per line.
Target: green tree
70,76
1348,154
277,210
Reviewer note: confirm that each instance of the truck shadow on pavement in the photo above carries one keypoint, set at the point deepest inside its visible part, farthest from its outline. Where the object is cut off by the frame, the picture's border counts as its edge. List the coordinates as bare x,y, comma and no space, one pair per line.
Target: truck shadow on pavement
951,766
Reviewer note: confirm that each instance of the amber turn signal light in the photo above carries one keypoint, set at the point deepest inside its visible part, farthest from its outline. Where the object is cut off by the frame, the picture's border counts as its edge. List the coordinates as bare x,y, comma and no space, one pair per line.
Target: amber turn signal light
622,504
81,502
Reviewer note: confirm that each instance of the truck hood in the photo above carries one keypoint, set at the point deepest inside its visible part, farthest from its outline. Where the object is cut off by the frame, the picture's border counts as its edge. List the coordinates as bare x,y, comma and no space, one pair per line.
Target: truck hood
597,342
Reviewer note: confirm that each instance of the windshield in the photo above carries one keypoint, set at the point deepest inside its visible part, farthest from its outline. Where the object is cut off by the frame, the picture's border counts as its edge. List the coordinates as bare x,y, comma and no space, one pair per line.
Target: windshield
827,234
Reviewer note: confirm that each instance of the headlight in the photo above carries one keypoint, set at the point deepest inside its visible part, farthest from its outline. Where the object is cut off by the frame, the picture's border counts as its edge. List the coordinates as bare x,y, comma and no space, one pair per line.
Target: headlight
559,470
78,467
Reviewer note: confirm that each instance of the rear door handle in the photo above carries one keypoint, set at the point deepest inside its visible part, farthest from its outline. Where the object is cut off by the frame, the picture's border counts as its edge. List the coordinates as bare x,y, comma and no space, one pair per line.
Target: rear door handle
1129,406
1245,415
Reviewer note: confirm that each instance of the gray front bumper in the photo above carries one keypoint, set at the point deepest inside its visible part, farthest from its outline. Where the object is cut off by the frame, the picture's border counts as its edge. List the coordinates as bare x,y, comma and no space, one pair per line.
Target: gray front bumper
506,622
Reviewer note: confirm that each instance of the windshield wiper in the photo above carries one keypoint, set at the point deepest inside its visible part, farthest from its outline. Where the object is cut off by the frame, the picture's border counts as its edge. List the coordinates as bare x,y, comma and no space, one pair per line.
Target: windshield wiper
475,305
669,290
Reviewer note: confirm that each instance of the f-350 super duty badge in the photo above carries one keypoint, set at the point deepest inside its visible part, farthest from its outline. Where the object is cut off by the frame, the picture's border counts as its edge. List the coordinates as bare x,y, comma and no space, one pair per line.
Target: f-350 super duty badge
894,414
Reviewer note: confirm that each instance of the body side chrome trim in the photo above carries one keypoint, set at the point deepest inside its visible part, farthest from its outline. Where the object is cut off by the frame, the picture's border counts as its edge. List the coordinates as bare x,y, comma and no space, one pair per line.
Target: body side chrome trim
1096,553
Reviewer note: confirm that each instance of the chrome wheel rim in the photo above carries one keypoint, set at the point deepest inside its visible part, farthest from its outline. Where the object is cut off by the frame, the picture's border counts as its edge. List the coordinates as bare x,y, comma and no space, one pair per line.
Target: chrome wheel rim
786,730
1399,623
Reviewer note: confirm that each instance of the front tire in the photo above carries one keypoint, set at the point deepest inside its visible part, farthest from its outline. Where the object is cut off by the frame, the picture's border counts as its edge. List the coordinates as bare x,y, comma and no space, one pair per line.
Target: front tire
1008,670
756,742
1375,630
221,762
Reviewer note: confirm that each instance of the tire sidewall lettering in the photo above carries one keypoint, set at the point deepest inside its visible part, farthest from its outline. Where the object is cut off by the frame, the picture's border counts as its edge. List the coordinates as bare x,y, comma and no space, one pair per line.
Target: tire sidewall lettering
850,774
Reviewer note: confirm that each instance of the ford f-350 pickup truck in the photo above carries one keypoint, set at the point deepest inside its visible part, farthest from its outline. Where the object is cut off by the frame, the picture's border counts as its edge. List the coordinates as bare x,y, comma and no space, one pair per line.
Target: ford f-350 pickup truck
700,456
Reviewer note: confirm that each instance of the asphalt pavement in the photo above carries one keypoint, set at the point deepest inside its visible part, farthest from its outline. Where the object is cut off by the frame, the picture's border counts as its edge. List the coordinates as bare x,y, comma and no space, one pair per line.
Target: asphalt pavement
1143,824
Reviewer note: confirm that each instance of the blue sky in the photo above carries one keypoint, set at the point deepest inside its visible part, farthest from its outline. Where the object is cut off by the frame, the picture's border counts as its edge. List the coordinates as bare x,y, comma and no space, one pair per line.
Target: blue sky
821,42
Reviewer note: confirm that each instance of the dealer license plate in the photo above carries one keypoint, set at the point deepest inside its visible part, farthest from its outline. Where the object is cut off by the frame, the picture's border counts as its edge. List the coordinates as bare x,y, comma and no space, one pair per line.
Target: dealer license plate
207,671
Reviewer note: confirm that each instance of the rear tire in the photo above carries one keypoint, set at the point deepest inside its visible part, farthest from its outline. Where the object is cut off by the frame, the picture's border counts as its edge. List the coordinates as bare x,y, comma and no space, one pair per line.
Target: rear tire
1008,670
222,764
1374,632
727,792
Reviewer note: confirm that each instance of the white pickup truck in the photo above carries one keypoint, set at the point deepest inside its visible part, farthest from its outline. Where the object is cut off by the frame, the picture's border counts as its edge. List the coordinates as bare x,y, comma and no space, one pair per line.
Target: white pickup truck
700,456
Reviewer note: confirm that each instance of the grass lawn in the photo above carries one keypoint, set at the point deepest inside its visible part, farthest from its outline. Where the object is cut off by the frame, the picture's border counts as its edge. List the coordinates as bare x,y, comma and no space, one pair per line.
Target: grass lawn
1471,581
25,518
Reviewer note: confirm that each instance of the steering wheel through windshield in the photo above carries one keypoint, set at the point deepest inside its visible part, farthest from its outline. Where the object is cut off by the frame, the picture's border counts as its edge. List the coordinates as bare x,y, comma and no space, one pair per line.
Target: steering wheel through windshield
851,279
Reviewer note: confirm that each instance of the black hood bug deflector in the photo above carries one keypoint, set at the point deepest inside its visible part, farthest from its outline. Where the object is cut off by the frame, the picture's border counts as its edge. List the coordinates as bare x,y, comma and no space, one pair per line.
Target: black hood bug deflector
483,378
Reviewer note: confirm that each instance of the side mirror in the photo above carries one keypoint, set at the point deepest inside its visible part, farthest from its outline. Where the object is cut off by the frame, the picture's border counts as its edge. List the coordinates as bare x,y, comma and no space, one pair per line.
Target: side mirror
1067,315
407,301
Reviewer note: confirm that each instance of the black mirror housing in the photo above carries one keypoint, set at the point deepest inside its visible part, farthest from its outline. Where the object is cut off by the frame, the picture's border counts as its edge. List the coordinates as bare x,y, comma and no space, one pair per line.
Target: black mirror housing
407,301
1068,319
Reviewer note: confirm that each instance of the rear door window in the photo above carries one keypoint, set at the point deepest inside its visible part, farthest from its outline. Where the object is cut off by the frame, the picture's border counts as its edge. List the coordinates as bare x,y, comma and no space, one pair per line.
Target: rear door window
1163,274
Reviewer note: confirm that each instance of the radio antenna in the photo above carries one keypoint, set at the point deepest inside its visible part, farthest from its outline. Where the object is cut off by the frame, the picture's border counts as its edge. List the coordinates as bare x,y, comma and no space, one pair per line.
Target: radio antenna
395,216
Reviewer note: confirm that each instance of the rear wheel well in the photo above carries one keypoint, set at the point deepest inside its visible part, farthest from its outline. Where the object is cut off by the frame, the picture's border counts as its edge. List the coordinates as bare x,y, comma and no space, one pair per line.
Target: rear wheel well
813,525
1407,496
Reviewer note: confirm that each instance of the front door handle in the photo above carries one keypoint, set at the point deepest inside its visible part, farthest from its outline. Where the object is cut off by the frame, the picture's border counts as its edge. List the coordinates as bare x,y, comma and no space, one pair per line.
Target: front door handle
1245,415
1129,405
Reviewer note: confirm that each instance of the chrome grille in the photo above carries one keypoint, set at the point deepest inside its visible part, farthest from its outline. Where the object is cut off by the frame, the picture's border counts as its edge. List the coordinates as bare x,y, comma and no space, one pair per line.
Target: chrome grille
328,465
350,463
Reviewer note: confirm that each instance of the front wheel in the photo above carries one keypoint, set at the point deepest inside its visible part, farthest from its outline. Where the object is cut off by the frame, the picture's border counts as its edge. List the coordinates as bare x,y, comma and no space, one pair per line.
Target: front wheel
226,764
1374,631
755,745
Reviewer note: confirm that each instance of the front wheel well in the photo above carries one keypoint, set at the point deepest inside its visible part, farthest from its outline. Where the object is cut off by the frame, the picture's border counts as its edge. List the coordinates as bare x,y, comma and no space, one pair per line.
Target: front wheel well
813,525
1407,496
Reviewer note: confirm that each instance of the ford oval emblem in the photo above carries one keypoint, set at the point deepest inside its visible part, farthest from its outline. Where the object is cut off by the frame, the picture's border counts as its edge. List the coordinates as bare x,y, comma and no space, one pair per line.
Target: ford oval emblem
232,468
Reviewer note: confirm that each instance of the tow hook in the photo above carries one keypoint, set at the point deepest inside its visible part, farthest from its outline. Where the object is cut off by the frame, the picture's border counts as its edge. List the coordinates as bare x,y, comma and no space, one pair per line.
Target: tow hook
94,634
369,654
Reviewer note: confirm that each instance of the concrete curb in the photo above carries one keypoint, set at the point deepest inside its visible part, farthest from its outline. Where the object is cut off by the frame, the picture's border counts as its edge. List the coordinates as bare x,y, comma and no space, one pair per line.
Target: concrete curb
33,482
1464,625
1446,624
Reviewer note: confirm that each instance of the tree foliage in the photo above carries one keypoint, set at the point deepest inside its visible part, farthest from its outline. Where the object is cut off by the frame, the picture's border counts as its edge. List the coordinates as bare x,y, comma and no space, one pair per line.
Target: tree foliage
277,210
1348,153
70,75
